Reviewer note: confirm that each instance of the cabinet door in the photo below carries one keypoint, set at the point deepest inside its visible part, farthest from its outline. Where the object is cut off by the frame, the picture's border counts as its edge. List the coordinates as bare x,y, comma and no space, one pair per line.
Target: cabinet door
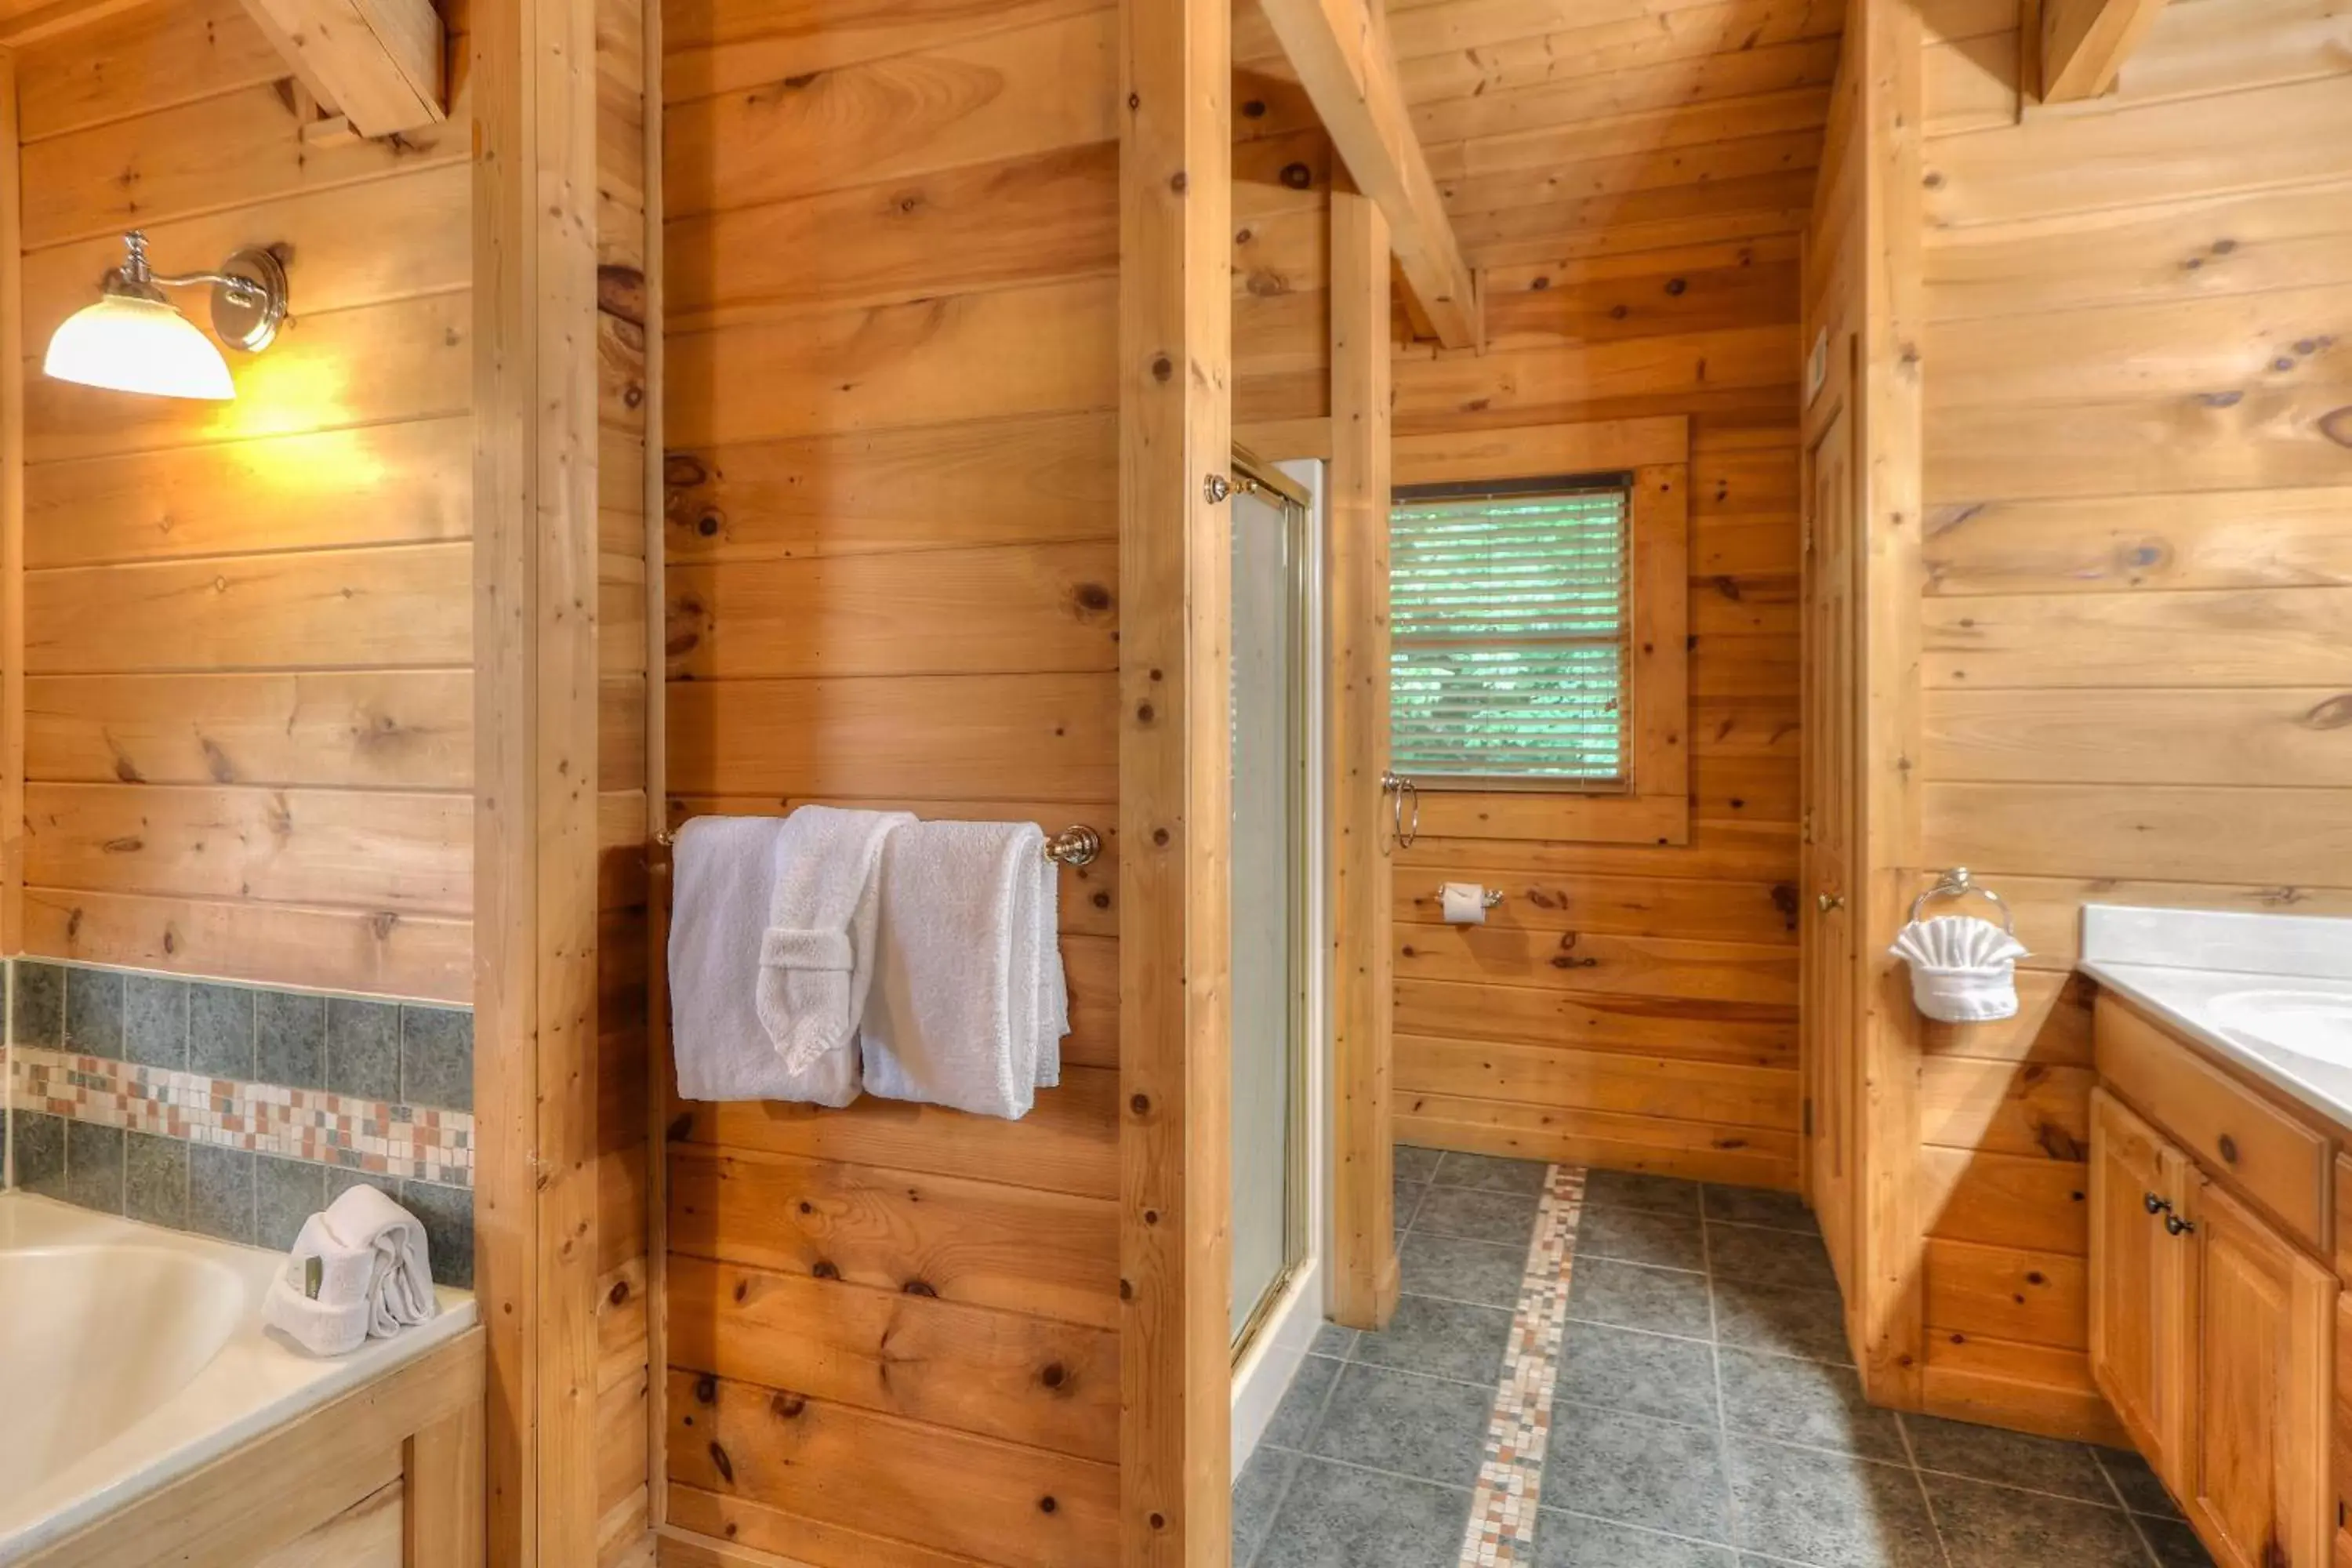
2261,1494
2343,1412
2141,1284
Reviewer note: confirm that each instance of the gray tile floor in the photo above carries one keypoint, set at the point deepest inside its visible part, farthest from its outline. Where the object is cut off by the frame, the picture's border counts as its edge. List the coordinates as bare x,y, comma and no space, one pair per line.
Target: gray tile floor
1706,1414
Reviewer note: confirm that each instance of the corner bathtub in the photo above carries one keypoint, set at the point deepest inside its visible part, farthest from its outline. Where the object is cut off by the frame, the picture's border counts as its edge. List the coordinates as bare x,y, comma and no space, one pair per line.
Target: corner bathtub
131,1356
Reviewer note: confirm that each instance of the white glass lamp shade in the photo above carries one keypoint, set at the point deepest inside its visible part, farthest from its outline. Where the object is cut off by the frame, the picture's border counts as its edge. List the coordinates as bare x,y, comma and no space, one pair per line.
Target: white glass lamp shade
129,344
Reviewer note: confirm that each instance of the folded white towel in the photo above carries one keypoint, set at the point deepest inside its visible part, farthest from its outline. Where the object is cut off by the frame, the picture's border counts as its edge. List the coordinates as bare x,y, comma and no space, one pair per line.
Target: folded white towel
375,1276
1963,969
724,873
816,955
969,1004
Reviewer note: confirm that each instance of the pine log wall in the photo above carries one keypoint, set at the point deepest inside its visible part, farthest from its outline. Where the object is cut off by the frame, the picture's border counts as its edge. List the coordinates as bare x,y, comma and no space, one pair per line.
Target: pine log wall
248,635
891,240
623,1147
2137,675
1631,193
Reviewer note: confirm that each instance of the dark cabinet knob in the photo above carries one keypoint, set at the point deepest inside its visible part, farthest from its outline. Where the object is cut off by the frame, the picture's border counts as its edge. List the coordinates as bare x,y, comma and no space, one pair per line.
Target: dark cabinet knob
2179,1226
2157,1205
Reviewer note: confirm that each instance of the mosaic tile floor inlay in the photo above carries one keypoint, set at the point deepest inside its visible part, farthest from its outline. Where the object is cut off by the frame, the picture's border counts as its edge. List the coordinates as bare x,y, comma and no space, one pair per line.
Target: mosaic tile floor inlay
1502,1528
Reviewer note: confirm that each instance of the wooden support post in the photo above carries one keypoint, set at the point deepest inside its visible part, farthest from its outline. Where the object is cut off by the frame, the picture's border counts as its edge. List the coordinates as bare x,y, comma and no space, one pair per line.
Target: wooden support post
1890,446
1175,346
1363,1152
12,349
535,735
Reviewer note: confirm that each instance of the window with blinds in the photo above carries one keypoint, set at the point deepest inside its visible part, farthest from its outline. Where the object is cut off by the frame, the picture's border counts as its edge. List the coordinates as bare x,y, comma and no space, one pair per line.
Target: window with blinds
1509,614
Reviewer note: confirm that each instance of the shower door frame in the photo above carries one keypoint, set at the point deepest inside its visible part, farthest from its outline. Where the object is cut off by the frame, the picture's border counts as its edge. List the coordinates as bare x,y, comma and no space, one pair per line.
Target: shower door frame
1301,1240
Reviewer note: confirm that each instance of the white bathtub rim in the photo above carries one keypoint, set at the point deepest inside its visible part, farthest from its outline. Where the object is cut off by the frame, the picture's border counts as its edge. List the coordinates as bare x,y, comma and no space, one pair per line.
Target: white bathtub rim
257,1382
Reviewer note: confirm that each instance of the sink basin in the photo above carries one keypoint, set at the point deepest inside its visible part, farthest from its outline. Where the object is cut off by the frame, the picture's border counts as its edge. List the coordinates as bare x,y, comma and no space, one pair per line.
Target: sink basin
2315,1024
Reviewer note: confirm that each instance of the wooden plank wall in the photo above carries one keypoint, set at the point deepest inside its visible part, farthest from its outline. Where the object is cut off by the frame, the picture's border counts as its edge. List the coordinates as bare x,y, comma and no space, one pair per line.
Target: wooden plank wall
1631,193
891,241
248,626
2138,577
624,1286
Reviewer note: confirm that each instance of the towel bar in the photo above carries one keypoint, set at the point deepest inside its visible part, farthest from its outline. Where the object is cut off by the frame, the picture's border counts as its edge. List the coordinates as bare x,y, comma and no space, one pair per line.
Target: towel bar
1077,846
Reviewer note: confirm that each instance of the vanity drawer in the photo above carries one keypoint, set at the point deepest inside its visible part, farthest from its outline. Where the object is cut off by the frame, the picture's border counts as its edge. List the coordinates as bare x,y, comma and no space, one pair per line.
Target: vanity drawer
2226,1128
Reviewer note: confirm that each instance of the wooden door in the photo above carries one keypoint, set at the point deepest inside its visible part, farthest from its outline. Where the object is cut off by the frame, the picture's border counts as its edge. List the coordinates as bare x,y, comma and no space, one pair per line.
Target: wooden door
2260,1493
2142,1286
1828,996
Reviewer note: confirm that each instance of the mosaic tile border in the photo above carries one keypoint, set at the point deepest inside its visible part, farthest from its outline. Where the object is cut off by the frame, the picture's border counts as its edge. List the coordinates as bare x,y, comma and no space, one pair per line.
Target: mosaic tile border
1502,1528
372,1136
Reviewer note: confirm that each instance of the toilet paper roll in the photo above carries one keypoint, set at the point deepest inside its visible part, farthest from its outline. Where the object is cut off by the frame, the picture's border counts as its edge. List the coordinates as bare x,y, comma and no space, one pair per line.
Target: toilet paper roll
1464,903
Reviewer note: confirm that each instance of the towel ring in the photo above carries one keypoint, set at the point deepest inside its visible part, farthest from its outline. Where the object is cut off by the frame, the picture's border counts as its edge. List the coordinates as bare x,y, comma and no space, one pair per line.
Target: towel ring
1956,883
1072,846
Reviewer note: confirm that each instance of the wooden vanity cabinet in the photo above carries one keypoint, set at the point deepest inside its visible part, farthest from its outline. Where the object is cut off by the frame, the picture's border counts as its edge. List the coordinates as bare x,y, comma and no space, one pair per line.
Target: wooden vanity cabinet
2214,1326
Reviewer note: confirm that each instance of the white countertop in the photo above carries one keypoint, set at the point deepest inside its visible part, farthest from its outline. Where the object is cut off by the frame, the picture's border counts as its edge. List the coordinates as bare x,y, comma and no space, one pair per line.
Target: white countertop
2175,965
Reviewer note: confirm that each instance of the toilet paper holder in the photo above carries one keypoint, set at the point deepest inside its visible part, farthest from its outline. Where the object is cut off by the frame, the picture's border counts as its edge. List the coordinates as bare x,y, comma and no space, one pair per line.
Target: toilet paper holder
1491,898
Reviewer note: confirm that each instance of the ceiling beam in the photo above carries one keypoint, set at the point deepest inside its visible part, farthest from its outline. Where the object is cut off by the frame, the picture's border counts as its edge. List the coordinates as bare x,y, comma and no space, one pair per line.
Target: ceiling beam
1340,50
2084,43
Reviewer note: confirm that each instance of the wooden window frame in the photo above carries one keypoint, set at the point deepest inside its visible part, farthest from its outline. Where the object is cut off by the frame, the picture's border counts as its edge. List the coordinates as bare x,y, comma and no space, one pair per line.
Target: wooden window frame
1652,805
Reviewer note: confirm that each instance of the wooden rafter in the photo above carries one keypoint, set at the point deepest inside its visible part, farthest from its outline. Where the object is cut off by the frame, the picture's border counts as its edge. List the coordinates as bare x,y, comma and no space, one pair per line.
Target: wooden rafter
1340,50
376,63
2084,43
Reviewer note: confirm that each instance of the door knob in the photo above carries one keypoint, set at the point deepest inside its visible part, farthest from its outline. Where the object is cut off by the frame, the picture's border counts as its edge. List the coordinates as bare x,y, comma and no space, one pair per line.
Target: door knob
1825,902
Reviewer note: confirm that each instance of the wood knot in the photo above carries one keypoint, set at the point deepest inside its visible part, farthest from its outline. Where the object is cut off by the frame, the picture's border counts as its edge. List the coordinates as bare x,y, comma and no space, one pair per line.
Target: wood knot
2334,713
1140,1104
920,1288
1052,1376
705,1389
824,1269
787,1406
619,1294
1298,176
721,1463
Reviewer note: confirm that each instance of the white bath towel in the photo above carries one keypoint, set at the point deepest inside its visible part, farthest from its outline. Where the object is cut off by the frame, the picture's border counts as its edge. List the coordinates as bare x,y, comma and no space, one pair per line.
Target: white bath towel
816,956
969,1004
724,872
1963,969
374,1276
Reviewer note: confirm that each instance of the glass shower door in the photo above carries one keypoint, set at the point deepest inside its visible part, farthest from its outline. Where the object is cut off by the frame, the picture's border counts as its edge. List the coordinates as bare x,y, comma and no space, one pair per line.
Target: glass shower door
1268,760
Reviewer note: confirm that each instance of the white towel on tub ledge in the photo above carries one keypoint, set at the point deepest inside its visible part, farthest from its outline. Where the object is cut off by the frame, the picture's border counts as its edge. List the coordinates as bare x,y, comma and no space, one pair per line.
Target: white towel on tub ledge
724,879
375,1276
969,1004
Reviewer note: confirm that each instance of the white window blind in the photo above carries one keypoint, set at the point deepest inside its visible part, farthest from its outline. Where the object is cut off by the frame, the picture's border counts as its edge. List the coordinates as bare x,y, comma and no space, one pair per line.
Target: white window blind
1509,616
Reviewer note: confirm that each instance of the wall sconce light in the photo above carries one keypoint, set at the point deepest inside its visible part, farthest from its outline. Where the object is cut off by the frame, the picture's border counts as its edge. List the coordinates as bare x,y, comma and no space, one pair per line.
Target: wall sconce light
132,340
